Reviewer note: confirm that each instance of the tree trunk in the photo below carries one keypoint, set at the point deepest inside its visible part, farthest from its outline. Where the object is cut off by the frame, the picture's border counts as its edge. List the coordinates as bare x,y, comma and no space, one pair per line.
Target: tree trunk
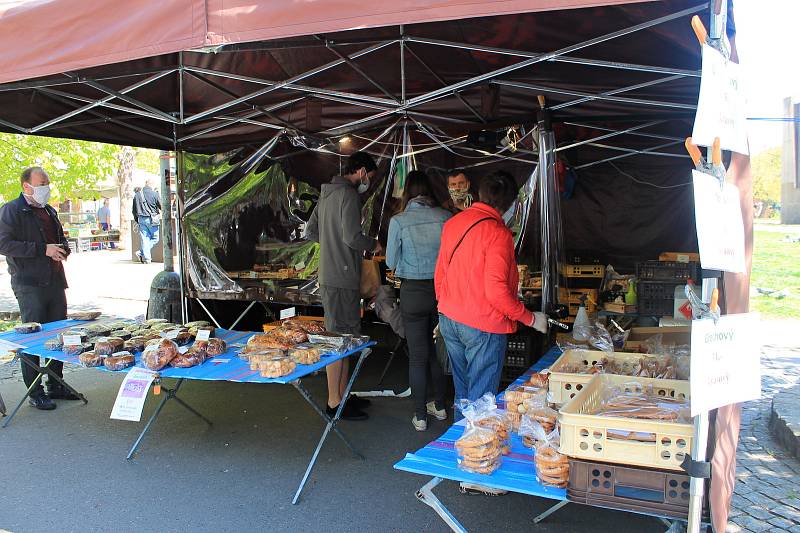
127,157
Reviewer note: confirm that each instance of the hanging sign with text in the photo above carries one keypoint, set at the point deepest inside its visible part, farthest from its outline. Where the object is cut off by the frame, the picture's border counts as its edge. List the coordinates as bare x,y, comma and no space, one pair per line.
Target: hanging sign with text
132,395
720,229
721,104
725,362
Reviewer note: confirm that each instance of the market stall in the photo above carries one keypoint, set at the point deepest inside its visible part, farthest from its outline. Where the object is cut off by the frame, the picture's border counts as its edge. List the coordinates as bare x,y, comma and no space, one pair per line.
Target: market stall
232,356
255,100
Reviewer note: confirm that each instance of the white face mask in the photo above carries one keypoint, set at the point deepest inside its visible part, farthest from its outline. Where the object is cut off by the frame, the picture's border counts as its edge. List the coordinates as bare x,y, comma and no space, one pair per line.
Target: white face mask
362,187
41,194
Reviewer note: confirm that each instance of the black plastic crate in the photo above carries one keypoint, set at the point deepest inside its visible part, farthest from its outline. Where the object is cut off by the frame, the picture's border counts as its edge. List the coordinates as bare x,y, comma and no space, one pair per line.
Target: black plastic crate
627,488
655,307
511,373
667,271
656,290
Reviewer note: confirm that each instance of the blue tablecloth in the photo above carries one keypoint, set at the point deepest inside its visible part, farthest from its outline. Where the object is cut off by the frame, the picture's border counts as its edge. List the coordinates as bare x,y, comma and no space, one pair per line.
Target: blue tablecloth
225,367
517,472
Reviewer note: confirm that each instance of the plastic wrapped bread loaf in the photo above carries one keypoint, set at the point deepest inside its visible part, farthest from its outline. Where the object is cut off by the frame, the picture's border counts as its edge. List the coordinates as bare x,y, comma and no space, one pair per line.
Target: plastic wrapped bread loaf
194,356
157,356
90,359
119,360
108,345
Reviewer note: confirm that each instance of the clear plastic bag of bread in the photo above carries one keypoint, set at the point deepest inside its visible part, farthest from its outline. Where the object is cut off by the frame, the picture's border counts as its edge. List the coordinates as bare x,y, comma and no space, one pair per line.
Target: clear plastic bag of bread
213,346
480,448
597,335
309,326
552,467
491,417
189,357
517,395
639,400
157,356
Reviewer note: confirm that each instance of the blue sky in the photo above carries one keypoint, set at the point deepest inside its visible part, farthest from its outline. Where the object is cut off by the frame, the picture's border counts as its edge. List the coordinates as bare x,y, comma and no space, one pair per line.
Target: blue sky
767,41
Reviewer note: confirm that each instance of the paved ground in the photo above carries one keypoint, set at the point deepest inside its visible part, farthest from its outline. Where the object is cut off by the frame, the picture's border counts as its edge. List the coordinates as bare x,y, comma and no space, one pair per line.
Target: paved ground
240,473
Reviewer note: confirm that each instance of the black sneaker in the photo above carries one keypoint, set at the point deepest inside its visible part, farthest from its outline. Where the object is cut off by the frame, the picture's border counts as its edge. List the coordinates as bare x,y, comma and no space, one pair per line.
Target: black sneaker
358,402
62,393
42,402
350,412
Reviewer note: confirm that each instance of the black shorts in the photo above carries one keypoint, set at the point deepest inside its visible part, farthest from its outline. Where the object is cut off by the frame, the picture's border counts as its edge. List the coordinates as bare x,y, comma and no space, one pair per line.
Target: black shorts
342,309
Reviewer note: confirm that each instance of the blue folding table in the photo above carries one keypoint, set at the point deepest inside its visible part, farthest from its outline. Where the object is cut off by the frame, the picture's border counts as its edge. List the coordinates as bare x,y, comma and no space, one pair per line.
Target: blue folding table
225,367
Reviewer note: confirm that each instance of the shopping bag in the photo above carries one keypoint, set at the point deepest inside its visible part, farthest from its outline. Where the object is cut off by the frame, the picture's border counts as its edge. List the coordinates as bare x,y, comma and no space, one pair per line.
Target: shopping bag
370,278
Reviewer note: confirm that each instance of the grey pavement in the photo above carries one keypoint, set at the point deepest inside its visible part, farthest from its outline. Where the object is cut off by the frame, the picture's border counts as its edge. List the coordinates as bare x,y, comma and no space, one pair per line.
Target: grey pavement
767,494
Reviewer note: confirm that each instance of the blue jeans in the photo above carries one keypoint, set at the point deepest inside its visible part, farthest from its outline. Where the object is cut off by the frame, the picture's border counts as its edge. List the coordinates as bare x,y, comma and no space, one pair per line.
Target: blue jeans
105,227
148,235
476,358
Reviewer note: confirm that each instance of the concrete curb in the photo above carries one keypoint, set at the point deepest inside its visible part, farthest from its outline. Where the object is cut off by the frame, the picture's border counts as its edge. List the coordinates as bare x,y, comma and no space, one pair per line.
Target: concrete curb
784,421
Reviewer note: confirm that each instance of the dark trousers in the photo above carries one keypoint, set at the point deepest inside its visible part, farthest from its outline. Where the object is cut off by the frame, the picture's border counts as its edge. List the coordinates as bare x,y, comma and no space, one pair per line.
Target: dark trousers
420,316
40,304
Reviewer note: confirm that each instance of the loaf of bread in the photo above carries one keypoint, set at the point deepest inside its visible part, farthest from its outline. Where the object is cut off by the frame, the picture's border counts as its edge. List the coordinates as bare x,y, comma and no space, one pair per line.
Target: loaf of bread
264,341
28,327
108,345
213,347
194,356
309,326
119,360
157,356
54,345
135,344
90,359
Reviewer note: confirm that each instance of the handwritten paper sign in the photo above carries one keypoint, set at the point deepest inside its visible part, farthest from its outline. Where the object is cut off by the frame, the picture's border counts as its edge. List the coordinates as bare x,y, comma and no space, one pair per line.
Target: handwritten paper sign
725,362
288,313
718,217
72,340
132,395
203,334
721,104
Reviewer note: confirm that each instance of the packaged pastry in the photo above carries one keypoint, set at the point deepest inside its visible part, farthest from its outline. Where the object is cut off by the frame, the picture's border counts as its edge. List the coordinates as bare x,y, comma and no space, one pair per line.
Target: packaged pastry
74,335
135,344
119,360
192,357
275,367
75,349
213,346
183,338
305,354
269,353
157,356
552,467
480,448
54,345
28,327
84,315
637,400
90,359
194,331
108,345
261,341
155,321
197,324
97,330
291,335
540,379
543,415
309,326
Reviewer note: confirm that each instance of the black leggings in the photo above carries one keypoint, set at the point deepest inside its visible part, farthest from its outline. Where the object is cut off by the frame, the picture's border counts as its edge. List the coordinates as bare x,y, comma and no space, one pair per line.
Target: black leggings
420,316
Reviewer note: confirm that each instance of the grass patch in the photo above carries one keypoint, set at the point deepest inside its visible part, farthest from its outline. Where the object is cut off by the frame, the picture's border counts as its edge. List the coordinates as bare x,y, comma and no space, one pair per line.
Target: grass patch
776,265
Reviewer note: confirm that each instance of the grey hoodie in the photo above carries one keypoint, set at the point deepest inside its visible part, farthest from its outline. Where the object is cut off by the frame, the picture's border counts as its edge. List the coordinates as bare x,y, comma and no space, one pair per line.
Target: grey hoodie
336,225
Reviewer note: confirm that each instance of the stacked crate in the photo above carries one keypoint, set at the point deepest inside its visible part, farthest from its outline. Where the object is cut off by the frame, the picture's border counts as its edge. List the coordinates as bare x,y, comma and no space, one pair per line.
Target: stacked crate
578,281
655,289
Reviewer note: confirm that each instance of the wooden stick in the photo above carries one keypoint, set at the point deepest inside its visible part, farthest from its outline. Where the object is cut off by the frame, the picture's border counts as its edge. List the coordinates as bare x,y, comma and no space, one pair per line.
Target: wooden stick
699,29
694,151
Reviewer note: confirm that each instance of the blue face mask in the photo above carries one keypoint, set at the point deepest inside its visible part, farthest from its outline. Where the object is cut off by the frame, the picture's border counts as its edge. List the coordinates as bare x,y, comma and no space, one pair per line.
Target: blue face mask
508,216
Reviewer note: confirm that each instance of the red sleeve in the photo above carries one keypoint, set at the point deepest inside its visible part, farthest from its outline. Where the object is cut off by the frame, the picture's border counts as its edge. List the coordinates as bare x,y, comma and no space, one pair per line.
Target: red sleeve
497,285
439,271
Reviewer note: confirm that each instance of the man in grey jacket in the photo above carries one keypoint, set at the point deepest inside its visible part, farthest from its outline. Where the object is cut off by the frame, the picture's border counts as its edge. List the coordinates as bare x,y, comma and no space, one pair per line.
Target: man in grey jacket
336,225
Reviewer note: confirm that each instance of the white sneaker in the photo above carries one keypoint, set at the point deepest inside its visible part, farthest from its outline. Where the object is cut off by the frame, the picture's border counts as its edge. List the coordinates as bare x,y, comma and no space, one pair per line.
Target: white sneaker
438,414
474,488
419,425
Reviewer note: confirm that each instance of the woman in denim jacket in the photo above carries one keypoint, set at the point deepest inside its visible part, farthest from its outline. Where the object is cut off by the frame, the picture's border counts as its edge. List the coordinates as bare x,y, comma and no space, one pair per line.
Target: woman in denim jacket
413,246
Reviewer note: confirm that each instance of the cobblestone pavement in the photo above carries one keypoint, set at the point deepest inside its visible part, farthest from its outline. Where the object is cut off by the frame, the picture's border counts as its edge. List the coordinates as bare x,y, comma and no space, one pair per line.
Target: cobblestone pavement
767,494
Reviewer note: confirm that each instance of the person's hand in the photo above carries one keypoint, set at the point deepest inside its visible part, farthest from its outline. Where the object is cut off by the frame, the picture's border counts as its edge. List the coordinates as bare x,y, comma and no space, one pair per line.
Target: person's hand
539,323
55,252
378,248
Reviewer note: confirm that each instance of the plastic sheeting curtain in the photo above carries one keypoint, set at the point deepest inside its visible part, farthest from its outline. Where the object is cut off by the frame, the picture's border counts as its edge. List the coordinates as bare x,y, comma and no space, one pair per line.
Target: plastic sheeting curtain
551,234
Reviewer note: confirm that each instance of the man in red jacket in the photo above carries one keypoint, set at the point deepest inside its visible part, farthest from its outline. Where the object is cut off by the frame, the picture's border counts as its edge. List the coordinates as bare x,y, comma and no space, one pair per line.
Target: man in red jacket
476,285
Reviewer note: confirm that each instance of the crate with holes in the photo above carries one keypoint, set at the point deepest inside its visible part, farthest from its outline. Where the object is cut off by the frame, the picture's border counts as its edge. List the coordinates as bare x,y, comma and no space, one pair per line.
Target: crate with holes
629,420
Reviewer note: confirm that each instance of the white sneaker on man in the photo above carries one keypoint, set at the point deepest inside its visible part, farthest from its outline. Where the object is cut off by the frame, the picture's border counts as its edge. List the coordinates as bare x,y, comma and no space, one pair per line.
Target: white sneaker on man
419,425
438,414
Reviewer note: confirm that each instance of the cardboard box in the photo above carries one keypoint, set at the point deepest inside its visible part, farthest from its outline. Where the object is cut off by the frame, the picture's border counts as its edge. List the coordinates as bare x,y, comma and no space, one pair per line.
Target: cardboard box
680,257
669,335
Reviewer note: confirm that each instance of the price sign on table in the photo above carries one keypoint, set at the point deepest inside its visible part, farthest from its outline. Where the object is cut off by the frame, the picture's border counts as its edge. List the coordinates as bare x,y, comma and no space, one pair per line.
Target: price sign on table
132,395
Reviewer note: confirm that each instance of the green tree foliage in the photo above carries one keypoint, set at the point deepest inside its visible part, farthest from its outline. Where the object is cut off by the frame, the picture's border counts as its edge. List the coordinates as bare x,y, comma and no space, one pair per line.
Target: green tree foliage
72,165
766,170
147,160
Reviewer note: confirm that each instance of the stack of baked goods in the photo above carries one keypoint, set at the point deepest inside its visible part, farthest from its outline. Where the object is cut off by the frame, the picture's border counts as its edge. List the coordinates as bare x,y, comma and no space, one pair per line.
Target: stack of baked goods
486,437
537,416
519,398
305,354
119,360
635,401
276,366
552,467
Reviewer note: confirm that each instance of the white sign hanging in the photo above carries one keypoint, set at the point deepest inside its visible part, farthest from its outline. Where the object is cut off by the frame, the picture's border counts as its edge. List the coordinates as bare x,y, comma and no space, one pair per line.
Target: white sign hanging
203,334
289,312
725,362
132,395
720,229
721,104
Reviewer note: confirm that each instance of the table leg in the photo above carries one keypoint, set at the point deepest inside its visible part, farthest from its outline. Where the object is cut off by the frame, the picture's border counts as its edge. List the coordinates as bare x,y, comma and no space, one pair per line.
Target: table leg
41,370
550,511
2,406
331,423
426,496
170,394
304,392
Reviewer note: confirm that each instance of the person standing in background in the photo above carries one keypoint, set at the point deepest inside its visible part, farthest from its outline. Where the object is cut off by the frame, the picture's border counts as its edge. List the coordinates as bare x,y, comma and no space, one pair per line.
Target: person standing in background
458,188
147,215
32,239
104,220
411,251
336,225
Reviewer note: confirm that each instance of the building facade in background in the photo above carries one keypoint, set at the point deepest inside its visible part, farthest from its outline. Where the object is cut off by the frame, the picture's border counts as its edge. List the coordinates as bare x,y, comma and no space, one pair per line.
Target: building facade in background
790,181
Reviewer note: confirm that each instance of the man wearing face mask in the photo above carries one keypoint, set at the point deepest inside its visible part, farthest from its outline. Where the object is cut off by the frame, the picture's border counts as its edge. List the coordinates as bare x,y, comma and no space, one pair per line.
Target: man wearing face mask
336,225
458,189
32,239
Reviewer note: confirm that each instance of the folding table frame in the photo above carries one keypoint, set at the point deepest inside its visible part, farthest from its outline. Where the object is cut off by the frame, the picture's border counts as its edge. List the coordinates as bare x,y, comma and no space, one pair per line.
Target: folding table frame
172,394
41,370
